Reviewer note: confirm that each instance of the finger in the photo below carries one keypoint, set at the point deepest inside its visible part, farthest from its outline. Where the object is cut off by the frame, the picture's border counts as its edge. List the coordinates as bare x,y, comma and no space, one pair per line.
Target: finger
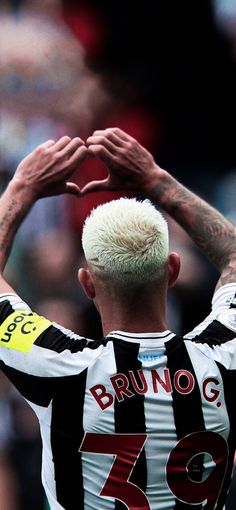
109,135
47,144
63,142
78,156
114,133
71,147
103,153
60,189
102,140
119,133
116,139
72,188
99,132
120,138
95,186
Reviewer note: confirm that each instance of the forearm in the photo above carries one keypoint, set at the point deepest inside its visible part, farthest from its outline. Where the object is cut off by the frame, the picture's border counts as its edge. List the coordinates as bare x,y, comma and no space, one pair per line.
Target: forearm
15,203
44,172
209,229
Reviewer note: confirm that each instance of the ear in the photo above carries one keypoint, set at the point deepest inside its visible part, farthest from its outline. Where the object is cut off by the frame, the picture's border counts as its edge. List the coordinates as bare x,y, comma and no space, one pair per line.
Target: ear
173,268
86,282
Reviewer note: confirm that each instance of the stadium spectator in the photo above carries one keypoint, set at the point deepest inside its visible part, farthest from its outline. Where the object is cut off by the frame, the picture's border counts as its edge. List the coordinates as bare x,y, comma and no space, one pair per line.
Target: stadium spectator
161,404
8,484
46,91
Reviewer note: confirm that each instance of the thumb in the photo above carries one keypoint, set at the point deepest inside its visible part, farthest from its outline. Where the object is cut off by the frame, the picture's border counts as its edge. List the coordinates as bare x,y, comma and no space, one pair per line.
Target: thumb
72,188
95,186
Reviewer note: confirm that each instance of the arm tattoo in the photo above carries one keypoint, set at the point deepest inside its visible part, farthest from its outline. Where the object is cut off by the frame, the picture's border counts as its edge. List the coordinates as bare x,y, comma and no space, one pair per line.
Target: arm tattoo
9,224
209,229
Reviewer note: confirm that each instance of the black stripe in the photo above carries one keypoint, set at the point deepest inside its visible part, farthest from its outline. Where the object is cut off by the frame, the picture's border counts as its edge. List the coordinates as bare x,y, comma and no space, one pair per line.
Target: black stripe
38,390
5,310
214,334
187,408
228,377
56,340
66,436
129,414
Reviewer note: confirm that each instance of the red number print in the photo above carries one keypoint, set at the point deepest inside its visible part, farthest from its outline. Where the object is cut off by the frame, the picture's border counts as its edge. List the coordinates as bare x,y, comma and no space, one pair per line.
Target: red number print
126,448
178,480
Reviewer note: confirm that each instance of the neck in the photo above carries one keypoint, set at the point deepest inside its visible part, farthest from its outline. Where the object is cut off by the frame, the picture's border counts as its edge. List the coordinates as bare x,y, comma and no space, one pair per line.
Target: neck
135,309
145,319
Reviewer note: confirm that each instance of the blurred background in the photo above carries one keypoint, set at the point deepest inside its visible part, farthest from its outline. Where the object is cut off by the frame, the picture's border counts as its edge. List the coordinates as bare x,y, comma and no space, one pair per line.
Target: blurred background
163,71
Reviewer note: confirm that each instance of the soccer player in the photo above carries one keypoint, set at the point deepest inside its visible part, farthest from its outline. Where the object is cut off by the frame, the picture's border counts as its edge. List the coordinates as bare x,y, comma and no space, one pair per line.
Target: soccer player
141,419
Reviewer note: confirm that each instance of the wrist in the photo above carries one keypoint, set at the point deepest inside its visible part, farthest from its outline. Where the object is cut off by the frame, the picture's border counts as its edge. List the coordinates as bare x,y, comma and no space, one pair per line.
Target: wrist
15,203
157,185
18,187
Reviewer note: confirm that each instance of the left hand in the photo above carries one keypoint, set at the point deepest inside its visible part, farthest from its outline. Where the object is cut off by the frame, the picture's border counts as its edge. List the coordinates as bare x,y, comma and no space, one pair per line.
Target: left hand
45,172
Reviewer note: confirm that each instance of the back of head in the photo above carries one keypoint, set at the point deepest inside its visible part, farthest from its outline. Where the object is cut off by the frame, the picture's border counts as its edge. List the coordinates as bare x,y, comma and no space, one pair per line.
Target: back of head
126,241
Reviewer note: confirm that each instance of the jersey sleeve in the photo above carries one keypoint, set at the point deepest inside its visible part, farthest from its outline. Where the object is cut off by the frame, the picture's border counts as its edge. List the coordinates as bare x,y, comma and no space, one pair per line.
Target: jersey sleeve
223,305
218,330
34,352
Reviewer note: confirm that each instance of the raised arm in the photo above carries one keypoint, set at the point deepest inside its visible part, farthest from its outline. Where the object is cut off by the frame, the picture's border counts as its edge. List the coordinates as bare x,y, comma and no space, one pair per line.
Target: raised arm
132,167
209,229
44,172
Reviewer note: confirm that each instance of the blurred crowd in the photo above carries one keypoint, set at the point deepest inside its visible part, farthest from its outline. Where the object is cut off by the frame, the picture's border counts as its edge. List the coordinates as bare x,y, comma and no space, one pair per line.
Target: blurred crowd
70,68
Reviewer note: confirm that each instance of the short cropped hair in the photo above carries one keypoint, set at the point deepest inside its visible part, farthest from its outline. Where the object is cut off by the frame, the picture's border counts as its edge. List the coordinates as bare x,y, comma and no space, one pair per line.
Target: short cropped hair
127,240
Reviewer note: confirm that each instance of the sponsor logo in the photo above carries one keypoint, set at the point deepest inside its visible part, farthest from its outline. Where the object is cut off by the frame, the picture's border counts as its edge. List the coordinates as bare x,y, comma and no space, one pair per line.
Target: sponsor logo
20,330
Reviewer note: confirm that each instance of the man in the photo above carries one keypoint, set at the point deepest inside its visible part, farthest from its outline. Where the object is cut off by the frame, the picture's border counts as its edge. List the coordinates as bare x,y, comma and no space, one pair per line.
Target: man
142,419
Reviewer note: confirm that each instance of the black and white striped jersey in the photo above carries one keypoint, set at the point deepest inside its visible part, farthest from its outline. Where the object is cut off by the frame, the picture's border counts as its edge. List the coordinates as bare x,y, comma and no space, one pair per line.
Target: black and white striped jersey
134,421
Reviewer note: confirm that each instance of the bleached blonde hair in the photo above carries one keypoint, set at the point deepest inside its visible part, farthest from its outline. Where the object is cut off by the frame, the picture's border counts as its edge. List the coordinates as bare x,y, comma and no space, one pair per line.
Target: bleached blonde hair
127,240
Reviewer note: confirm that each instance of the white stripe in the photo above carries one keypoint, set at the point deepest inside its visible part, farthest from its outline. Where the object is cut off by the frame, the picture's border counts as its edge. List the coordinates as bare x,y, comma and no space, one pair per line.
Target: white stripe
44,362
69,333
48,472
160,427
221,301
15,301
215,418
156,338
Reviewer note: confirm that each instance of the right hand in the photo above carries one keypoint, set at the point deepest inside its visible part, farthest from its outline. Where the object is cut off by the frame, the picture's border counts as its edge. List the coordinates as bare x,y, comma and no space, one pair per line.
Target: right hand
45,172
131,167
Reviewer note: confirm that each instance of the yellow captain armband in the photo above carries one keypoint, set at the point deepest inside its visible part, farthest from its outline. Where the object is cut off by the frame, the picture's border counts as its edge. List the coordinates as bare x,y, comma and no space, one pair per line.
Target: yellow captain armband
20,330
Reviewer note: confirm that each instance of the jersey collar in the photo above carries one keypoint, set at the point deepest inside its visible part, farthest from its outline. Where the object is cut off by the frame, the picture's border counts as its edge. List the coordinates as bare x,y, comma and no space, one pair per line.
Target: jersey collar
140,337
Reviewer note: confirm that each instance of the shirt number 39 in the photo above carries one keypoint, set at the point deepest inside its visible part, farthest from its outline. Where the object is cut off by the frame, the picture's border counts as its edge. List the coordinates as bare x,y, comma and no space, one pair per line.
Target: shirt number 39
126,448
